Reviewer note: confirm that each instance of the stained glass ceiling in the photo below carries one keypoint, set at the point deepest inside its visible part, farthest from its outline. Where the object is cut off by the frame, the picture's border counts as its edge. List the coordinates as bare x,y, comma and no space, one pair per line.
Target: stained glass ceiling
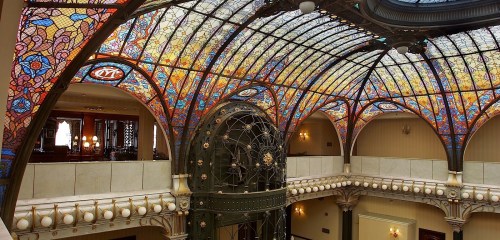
189,56
212,49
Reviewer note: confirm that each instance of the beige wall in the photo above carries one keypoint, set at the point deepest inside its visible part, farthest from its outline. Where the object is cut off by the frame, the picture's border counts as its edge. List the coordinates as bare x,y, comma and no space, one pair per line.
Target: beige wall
161,142
484,226
320,132
145,135
484,144
384,138
426,216
481,226
48,180
374,226
317,214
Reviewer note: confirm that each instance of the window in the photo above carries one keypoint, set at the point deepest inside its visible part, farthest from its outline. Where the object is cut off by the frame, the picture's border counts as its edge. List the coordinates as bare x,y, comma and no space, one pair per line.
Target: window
63,135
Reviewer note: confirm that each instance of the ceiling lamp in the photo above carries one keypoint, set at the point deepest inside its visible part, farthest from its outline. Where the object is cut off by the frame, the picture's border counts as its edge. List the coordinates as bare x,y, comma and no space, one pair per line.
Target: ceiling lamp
402,49
307,7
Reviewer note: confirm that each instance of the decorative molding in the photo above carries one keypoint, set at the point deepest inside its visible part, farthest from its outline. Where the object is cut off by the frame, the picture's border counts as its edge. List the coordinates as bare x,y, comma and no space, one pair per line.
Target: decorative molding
87,214
457,201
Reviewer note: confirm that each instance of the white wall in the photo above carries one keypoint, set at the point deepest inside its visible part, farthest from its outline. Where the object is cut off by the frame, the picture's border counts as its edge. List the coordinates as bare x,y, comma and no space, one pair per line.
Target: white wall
314,166
400,167
47,180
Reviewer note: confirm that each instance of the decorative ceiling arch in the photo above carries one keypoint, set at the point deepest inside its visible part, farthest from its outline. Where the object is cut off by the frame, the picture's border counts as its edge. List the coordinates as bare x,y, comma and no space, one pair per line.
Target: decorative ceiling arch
378,107
132,80
53,41
337,111
487,113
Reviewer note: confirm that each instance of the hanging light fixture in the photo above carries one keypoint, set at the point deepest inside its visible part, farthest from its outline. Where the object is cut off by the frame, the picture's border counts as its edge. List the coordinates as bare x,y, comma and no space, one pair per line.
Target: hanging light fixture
307,7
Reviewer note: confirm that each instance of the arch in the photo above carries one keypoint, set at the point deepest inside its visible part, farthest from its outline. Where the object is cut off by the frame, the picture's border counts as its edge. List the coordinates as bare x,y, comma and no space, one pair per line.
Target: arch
160,113
340,129
402,108
489,112
151,110
16,152
483,142
156,108
320,130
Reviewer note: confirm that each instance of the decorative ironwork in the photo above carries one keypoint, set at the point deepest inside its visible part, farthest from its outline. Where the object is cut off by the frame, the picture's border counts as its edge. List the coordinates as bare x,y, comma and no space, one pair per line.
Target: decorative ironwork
244,203
243,182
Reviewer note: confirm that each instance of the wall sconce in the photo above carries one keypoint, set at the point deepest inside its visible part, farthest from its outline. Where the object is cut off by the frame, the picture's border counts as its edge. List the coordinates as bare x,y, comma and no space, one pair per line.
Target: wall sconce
406,129
303,136
299,210
394,232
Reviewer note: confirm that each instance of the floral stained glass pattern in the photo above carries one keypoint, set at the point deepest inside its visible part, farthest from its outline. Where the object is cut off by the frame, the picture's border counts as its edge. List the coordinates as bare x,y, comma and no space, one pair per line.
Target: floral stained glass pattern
48,40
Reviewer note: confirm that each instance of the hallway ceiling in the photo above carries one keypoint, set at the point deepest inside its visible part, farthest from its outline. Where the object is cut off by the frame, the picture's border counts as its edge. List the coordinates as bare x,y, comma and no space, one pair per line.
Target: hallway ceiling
95,98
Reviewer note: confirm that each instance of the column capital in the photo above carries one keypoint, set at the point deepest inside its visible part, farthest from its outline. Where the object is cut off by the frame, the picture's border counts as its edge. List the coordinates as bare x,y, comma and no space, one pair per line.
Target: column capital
347,203
180,186
456,223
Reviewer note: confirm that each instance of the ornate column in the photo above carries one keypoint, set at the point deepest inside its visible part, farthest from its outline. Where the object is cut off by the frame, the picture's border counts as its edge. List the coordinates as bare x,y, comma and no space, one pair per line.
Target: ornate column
347,202
457,210
457,226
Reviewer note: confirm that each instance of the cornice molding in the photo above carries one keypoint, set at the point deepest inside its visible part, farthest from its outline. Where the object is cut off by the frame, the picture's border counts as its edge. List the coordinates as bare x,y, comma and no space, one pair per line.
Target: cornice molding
458,202
80,215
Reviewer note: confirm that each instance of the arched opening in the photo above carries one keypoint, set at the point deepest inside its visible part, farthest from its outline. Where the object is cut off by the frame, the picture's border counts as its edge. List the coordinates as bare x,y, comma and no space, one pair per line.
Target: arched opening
100,162
483,145
315,148
315,136
93,122
399,144
481,154
398,135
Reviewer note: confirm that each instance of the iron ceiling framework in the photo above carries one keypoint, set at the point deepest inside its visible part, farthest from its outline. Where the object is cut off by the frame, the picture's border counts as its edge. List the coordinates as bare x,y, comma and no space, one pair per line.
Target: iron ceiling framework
199,53
208,50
